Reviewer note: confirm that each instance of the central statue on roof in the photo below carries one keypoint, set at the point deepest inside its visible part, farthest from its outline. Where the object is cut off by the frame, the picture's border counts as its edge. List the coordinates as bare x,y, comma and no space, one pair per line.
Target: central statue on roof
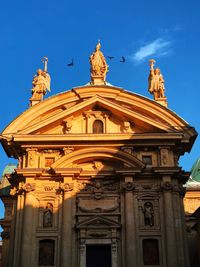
99,67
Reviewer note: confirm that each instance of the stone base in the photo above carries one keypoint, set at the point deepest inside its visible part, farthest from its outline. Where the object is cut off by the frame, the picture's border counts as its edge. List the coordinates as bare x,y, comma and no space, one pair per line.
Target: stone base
162,101
97,80
33,102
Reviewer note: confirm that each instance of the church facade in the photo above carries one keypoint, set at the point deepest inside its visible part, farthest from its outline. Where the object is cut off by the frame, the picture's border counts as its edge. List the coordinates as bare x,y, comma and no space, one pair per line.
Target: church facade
98,181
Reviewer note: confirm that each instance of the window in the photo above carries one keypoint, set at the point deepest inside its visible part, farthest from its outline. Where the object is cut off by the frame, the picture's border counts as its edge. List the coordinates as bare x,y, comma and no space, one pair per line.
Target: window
46,252
97,127
150,252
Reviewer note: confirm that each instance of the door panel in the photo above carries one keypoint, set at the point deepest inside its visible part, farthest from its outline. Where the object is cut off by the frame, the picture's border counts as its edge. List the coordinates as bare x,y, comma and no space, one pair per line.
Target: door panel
98,256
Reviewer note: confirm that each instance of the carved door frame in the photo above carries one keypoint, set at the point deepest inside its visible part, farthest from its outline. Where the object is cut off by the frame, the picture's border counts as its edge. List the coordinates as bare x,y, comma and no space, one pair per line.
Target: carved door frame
100,241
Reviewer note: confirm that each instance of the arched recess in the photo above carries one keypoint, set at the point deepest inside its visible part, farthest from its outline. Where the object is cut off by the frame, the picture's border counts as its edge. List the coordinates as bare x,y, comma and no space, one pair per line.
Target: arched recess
96,153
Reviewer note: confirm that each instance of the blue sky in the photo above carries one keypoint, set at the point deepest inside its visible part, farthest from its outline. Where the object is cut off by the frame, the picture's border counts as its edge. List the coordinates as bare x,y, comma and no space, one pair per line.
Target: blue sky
167,31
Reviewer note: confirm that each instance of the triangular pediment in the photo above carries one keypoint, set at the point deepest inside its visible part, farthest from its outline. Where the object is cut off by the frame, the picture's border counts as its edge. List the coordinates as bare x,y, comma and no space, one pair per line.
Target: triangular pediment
117,114
70,117
98,222
122,112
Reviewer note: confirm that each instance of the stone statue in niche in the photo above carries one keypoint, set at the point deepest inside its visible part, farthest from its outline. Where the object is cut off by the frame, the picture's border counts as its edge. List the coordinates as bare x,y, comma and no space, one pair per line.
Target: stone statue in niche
148,214
48,216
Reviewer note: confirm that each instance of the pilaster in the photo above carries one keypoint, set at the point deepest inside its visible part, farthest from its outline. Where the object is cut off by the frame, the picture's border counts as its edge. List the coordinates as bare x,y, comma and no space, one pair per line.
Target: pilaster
27,237
171,246
131,248
66,256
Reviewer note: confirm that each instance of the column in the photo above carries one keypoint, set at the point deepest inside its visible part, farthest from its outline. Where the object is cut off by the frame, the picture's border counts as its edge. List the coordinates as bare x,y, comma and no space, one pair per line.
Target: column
131,248
170,233
184,233
18,229
26,251
179,227
66,256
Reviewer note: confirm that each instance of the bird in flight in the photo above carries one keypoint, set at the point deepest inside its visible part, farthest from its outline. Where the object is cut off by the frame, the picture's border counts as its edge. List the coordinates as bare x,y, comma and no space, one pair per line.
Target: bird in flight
123,59
71,64
110,57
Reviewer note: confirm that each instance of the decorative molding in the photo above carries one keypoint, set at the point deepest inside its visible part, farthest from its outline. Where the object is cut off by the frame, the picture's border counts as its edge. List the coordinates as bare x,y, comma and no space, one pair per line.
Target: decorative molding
98,234
128,186
68,150
28,187
5,235
65,187
166,186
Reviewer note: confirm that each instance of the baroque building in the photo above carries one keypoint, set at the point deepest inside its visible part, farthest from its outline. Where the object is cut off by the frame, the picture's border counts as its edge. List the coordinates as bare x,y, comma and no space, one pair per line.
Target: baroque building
98,181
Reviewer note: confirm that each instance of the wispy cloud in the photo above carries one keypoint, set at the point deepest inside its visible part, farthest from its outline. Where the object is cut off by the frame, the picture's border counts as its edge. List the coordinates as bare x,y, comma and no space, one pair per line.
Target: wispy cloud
158,48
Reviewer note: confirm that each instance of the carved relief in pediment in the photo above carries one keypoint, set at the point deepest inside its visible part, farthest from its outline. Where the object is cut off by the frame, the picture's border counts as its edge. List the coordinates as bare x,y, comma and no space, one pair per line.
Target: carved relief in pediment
83,117
98,165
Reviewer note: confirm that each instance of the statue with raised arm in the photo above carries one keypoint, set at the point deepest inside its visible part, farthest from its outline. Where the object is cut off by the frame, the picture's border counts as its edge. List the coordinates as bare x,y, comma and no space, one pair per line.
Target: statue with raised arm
41,83
156,81
98,63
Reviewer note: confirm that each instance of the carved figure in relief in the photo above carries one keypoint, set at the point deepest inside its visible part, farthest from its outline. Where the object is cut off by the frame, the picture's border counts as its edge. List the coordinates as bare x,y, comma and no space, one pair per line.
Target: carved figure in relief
98,191
148,214
48,216
98,165
164,157
31,158
127,127
98,63
68,150
156,82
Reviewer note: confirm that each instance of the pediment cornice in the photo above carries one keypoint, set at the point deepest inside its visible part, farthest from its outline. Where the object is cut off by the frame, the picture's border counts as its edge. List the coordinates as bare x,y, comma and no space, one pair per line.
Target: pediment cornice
162,122
123,104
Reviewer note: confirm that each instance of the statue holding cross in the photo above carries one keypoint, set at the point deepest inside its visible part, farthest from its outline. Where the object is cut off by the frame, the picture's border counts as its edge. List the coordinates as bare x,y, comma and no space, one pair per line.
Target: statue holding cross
41,83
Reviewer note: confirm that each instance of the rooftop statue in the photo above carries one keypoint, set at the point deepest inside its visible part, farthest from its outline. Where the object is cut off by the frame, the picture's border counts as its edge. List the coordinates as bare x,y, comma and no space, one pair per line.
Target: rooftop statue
156,82
41,83
99,67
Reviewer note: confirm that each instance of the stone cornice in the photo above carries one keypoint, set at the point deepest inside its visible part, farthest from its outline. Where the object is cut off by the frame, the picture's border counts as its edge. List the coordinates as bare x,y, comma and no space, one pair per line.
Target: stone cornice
92,137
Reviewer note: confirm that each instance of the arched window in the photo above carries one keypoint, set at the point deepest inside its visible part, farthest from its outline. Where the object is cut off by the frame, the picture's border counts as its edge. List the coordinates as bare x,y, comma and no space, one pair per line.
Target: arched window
150,252
97,127
46,252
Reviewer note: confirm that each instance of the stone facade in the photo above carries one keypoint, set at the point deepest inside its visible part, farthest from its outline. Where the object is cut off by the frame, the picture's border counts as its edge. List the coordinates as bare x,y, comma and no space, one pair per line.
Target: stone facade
97,181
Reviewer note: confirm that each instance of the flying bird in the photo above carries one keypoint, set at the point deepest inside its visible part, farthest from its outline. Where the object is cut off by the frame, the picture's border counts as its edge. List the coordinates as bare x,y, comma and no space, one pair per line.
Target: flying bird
71,64
123,59
110,57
